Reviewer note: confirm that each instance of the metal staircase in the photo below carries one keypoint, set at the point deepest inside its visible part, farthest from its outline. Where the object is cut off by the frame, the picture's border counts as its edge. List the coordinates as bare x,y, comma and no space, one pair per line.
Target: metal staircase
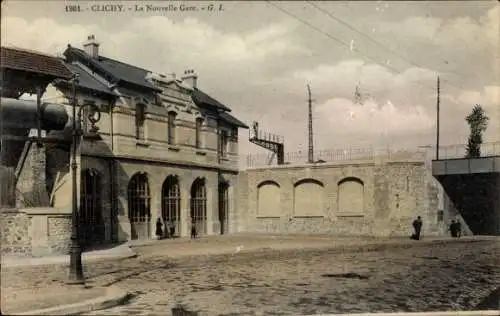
269,141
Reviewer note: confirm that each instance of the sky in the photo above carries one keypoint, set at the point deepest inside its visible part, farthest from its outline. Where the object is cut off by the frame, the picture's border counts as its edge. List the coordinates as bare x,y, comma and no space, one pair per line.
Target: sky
258,57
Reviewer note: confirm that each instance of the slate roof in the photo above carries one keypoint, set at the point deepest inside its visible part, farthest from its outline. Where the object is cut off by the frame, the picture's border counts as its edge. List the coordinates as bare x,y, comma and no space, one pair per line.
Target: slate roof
201,98
232,120
35,62
117,69
137,76
224,116
86,80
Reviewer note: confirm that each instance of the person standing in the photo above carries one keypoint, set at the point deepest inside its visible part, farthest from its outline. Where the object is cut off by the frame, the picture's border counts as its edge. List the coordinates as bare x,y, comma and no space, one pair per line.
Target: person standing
193,230
453,228
172,229
417,226
458,228
159,228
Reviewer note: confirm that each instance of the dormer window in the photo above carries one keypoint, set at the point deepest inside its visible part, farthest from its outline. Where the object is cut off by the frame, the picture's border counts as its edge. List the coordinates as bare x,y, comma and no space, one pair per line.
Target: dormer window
171,127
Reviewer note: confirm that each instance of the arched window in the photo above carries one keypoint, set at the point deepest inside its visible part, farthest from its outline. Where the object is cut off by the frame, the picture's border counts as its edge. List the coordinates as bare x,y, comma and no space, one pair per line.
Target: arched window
309,198
268,199
92,224
171,204
351,196
199,205
139,206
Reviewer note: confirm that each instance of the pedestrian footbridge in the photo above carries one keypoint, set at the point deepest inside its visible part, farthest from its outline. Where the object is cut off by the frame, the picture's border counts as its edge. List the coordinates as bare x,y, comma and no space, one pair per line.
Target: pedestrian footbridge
473,185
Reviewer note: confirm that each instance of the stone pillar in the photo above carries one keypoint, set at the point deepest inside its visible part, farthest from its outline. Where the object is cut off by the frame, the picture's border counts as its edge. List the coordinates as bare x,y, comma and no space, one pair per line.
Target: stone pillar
155,210
39,233
211,199
185,211
123,232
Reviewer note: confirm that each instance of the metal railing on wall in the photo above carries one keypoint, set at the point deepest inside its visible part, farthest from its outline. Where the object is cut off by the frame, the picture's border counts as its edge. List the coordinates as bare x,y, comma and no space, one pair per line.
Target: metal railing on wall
351,153
332,155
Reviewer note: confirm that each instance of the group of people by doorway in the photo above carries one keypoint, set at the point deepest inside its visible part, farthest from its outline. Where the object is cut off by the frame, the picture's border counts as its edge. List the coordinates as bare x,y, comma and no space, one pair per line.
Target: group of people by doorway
169,231
165,230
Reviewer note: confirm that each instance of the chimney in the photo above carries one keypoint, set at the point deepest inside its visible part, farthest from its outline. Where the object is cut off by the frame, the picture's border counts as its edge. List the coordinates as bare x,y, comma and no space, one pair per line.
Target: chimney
91,46
190,78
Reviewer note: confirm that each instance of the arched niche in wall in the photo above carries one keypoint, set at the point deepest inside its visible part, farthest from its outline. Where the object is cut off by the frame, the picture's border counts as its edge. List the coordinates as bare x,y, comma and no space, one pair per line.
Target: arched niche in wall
309,198
350,193
268,199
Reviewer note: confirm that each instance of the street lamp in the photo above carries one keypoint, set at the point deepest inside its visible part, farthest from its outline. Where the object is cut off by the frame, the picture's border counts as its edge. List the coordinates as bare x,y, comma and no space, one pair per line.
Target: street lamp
75,265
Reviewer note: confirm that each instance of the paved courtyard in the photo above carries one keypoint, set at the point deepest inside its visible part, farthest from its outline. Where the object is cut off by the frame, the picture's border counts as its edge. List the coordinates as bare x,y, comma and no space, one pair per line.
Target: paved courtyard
411,277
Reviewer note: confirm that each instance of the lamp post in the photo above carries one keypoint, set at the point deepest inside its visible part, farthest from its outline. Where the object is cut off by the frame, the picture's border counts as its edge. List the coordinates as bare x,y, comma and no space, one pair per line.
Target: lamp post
75,265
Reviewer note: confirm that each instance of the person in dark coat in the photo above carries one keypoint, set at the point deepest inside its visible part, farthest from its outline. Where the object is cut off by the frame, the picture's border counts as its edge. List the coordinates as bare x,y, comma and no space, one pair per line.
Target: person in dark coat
453,228
458,228
417,226
159,228
172,229
193,230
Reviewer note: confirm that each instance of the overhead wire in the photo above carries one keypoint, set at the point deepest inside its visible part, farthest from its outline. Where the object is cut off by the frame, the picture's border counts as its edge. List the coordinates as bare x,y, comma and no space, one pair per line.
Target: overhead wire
343,43
332,16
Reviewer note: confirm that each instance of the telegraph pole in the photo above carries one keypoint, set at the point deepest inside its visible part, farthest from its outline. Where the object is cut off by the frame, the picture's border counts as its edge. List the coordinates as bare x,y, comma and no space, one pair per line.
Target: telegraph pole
437,119
310,125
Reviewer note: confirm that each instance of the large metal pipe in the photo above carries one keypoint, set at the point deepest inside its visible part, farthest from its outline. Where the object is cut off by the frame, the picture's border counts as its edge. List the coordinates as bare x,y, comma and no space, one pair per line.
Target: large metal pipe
23,114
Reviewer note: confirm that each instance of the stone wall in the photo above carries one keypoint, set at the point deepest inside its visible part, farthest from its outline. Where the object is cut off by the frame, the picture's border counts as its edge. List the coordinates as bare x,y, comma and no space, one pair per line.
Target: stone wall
373,197
35,231
14,231
59,233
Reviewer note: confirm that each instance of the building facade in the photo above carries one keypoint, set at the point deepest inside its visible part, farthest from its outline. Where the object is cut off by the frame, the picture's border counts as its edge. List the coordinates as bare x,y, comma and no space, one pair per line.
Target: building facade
166,150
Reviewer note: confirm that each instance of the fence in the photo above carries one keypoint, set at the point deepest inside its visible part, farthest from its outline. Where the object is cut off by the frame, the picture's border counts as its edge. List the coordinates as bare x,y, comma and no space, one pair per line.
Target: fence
460,150
350,153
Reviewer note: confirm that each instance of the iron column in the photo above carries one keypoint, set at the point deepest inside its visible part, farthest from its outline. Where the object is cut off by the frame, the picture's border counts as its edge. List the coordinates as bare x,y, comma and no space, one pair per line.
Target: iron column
75,265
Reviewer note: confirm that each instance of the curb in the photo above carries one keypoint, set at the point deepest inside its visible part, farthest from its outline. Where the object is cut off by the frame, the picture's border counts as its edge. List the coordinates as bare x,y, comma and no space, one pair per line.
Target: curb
114,297
15,262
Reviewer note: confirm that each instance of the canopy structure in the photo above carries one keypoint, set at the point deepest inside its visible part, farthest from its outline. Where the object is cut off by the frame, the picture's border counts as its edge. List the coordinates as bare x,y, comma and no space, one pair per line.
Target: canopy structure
25,71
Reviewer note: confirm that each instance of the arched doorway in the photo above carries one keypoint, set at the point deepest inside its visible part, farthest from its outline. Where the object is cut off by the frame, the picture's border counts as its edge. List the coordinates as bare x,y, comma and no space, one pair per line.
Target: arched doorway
224,207
171,206
92,224
139,207
199,205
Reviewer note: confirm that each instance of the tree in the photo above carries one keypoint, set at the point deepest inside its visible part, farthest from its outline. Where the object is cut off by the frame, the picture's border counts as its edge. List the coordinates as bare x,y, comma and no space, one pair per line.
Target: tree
478,122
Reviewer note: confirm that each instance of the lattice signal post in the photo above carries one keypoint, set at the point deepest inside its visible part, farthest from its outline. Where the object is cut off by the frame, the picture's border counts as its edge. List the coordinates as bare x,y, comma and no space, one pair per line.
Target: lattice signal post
269,141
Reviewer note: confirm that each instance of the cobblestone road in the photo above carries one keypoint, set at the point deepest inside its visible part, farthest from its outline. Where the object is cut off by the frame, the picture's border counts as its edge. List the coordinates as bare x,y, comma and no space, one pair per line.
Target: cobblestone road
457,276
414,278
